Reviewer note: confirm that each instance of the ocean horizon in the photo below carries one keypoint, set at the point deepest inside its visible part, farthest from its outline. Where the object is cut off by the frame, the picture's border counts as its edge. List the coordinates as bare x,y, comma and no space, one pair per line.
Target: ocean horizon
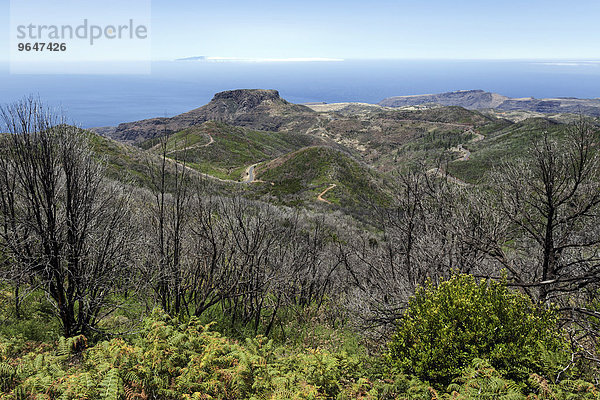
175,87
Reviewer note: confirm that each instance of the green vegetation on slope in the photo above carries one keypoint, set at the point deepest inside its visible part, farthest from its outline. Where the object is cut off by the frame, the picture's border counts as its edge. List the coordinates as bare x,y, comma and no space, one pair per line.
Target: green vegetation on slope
302,175
503,143
429,148
233,149
393,140
131,165
123,162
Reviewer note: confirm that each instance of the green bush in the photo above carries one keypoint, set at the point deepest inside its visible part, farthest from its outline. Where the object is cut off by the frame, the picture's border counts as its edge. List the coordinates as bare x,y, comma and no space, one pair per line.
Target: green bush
446,327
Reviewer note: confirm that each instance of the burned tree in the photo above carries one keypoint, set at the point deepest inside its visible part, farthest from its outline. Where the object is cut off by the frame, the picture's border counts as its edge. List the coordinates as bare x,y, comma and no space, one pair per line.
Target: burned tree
64,227
551,204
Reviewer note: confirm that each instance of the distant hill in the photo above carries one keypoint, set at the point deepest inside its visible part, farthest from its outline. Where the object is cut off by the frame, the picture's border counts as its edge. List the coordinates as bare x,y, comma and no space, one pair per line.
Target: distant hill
479,99
470,99
258,109
299,177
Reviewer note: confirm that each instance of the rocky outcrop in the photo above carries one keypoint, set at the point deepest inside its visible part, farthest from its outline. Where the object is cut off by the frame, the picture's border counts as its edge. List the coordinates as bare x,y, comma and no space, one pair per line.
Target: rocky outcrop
253,108
248,99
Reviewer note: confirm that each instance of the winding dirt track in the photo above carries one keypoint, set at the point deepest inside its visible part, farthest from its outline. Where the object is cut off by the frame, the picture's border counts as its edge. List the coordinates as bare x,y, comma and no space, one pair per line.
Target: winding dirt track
202,174
249,171
466,155
320,196
196,146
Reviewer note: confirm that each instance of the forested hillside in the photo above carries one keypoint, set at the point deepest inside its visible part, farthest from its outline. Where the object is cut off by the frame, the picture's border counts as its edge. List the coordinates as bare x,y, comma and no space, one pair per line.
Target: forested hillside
257,249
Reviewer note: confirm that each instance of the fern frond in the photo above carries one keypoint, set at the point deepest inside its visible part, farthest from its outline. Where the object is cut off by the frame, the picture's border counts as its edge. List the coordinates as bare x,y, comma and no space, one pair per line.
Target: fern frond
112,385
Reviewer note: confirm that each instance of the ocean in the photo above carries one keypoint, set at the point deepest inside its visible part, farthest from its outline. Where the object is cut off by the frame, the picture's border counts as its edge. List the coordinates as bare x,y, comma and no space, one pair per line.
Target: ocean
179,86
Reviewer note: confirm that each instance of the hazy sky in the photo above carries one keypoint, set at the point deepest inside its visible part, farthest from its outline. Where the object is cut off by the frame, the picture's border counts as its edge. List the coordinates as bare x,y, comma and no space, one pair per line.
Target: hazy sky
471,29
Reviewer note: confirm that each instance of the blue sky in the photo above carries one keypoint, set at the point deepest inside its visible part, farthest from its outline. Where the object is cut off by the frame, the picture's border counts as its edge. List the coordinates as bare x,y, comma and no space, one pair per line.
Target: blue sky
418,29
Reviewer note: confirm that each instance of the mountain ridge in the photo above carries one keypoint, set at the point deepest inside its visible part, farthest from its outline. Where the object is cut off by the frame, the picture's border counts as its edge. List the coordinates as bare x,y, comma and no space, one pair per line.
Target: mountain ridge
266,110
480,99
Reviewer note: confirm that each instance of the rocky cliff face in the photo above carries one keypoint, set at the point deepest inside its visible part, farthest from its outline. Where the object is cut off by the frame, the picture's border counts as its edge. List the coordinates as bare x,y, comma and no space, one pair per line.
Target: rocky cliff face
479,99
470,99
248,99
253,108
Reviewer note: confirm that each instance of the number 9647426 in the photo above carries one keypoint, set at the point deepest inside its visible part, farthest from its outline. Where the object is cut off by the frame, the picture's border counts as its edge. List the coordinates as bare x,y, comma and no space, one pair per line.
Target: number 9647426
37,46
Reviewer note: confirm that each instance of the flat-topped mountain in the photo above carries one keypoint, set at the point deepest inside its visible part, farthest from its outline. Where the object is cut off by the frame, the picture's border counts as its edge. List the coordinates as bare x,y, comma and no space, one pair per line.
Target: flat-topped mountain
479,99
259,109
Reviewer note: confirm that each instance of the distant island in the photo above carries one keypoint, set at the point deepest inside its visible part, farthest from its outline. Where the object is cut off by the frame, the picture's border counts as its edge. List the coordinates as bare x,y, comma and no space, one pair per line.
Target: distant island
197,58
257,59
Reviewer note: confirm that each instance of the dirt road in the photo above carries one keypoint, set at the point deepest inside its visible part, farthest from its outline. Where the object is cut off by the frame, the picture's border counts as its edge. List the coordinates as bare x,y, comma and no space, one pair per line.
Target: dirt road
196,146
320,196
466,155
